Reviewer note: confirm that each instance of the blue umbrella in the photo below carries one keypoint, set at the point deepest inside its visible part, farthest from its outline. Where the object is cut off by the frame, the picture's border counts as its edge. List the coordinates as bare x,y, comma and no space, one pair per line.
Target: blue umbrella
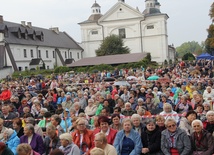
154,77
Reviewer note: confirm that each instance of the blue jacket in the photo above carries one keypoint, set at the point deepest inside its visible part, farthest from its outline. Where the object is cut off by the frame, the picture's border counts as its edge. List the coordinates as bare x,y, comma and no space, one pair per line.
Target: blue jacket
118,142
13,142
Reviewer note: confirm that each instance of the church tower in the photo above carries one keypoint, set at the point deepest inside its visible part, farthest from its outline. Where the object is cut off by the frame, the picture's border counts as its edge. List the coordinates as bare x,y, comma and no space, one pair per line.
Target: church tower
96,8
152,6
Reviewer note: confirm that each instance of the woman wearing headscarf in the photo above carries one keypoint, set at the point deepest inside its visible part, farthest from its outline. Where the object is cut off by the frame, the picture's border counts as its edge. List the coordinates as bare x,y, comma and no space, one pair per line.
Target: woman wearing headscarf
66,120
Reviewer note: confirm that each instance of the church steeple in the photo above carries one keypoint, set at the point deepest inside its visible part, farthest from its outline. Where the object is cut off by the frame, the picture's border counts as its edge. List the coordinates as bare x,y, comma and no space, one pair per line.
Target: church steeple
152,7
96,8
122,1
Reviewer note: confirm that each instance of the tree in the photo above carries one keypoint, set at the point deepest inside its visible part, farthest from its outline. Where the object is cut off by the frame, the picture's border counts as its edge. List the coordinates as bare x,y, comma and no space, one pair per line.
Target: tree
209,43
189,47
112,45
188,56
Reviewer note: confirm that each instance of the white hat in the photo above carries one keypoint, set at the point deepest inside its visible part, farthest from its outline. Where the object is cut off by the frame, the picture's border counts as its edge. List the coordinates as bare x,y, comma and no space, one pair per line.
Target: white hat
66,136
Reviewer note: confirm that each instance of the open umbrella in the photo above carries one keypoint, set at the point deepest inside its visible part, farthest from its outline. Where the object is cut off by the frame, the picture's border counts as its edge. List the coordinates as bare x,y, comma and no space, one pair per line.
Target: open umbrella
109,79
131,78
121,83
164,80
154,77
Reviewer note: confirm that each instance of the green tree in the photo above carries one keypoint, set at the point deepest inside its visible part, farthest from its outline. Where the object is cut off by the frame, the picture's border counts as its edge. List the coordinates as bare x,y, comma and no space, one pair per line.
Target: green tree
189,47
209,43
112,45
188,56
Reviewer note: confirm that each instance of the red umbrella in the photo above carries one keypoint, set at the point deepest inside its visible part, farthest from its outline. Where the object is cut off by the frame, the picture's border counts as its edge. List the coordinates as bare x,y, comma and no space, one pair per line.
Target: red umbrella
163,80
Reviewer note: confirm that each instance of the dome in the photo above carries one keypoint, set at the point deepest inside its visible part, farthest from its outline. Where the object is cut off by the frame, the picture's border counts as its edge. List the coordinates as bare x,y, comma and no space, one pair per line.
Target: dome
95,5
150,11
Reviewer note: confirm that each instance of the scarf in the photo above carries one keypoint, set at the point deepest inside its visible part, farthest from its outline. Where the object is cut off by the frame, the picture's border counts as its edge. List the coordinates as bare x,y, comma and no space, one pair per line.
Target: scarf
171,139
198,139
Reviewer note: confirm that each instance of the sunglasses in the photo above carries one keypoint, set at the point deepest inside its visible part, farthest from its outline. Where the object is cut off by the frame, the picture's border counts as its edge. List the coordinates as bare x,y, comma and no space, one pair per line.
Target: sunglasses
170,126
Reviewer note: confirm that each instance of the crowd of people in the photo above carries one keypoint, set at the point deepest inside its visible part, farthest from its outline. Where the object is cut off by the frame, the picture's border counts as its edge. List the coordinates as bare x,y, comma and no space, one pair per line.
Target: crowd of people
103,114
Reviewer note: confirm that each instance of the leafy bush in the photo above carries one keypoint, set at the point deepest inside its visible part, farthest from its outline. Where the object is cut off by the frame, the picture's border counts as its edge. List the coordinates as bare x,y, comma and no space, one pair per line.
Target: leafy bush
61,69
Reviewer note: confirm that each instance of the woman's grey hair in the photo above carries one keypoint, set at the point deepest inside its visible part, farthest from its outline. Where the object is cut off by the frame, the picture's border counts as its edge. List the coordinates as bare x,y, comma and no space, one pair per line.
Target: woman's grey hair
44,109
126,120
52,127
31,120
127,103
136,116
76,103
211,112
169,120
150,120
167,105
30,127
91,100
36,101
197,121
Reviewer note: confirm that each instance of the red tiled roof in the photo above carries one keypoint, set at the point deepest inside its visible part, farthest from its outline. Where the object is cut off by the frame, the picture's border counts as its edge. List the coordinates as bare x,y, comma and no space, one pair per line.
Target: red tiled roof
110,59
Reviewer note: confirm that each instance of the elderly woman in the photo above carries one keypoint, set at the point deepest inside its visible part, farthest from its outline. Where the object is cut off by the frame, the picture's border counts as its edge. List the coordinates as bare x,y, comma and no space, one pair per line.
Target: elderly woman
11,140
51,141
25,149
116,125
174,141
90,110
56,120
169,113
67,146
137,123
83,137
209,123
185,122
104,123
160,120
17,126
35,140
151,138
201,140
2,129
76,107
183,106
128,111
127,141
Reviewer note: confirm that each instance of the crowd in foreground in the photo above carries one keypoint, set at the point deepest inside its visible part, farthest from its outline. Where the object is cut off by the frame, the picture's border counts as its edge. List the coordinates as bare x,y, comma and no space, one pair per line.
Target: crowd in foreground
82,114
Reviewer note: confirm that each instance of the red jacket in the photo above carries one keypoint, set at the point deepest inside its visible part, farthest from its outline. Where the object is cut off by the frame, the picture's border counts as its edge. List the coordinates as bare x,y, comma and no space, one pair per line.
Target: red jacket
5,95
111,136
88,139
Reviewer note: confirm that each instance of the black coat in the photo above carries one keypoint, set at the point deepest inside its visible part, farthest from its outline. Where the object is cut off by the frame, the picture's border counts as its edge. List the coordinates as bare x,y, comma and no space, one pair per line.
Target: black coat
21,132
151,140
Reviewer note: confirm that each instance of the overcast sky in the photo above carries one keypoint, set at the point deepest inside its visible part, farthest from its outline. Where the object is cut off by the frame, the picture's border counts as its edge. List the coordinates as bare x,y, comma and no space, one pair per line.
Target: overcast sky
188,19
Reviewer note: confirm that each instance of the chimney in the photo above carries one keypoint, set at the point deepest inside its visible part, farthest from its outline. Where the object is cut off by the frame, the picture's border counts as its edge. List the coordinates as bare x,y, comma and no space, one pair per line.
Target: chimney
1,19
55,29
23,23
29,24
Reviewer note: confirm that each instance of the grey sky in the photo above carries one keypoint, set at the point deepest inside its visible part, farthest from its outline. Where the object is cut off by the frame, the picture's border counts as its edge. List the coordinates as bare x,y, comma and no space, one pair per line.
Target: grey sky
188,18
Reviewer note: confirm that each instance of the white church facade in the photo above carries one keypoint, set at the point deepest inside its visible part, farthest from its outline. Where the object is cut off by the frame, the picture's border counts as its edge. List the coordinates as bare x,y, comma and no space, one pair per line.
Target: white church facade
142,32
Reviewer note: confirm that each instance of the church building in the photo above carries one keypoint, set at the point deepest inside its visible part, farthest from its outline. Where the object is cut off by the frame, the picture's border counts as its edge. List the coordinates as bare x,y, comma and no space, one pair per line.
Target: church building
142,32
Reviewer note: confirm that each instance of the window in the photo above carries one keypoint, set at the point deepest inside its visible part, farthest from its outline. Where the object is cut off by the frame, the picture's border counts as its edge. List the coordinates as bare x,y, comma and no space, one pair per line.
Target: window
53,54
20,68
65,55
150,27
47,67
78,55
122,33
94,32
39,53
26,68
25,53
47,54
31,53
19,35
26,35
70,54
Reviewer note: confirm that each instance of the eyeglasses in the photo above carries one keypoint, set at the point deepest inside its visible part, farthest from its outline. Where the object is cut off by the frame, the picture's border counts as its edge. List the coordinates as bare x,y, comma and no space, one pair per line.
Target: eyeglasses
170,126
81,124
